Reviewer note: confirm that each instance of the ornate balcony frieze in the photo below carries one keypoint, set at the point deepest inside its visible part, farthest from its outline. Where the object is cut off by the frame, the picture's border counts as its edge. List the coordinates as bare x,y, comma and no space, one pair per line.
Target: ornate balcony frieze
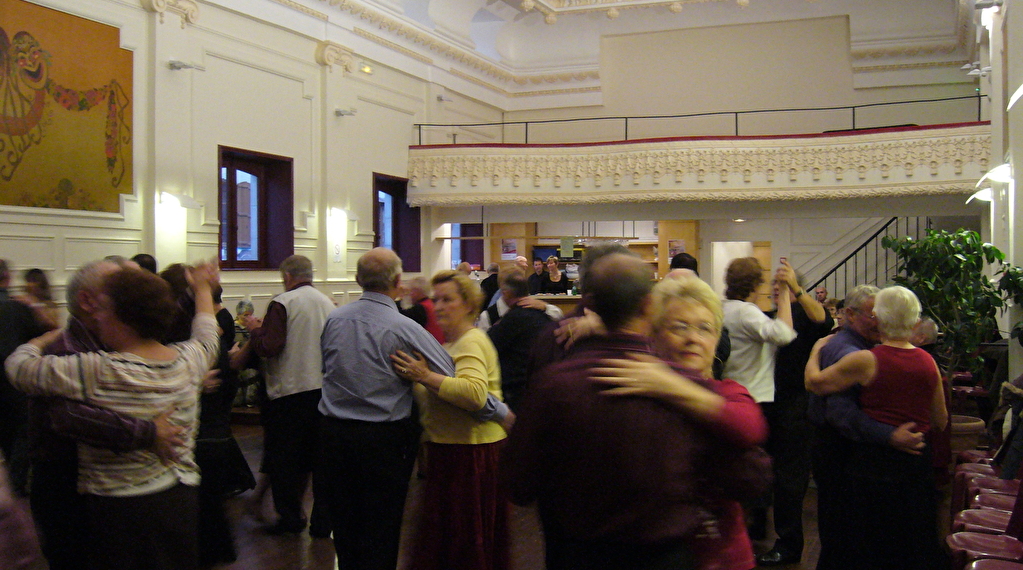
891,162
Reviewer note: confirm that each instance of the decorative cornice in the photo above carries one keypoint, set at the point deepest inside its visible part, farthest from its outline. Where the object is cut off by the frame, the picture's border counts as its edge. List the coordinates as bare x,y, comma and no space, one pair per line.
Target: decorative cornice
905,66
304,9
188,10
610,7
883,163
506,93
744,195
328,53
393,46
905,51
431,43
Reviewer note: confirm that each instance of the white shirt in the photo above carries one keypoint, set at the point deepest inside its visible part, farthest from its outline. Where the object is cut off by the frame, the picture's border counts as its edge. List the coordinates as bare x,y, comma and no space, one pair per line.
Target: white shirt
755,339
483,321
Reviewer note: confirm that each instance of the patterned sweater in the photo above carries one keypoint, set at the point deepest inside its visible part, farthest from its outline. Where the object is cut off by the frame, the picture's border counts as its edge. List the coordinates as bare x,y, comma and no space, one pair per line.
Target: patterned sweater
135,386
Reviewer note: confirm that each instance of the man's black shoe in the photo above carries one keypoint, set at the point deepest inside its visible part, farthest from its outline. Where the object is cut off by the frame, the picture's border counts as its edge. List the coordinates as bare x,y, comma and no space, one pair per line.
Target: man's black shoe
775,557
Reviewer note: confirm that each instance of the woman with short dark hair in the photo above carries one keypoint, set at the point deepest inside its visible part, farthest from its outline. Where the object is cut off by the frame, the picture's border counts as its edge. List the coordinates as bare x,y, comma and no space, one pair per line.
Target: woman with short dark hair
144,509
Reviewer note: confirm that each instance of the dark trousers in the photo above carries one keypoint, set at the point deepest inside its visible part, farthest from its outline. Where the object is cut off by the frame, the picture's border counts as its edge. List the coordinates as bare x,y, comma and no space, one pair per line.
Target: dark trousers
60,513
829,455
600,555
789,448
149,532
366,468
290,443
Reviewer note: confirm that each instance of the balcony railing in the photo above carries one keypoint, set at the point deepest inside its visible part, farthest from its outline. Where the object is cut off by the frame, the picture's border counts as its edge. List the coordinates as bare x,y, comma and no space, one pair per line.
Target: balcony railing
732,123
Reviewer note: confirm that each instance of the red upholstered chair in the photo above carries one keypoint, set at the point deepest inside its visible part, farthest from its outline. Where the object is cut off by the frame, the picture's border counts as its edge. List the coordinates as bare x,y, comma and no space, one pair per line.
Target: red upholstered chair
990,521
992,564
969,546
975,456
966,486
993,501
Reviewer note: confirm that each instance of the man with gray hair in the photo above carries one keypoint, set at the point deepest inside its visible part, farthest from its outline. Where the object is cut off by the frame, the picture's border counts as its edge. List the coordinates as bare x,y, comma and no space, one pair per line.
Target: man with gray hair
288,338
59,425
839,423
369,428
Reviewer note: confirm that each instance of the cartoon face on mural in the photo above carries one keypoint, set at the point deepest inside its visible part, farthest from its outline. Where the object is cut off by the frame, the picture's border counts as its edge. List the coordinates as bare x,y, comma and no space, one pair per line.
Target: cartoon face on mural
38,121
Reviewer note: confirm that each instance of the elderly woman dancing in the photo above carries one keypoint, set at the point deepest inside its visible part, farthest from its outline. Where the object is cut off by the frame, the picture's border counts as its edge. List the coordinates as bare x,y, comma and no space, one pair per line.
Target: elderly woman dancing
896,509
143,511
687,326
465,513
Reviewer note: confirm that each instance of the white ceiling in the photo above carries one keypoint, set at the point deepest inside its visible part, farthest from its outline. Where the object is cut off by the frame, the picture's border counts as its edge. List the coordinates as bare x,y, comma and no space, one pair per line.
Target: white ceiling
882,32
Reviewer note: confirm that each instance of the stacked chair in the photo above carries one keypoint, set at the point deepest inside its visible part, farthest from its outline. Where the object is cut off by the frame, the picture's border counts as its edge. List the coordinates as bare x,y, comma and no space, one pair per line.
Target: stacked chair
988,535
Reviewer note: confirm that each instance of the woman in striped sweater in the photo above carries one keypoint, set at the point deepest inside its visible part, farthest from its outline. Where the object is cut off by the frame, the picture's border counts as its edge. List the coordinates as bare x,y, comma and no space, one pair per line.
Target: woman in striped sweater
143,511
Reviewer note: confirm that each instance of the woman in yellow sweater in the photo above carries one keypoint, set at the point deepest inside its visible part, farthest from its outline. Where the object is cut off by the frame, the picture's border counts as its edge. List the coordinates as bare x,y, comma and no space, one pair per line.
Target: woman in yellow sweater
464,512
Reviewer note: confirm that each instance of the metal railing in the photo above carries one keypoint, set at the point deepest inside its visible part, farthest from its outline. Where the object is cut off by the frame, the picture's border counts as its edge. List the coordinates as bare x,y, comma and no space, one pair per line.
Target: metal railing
871,263
839,118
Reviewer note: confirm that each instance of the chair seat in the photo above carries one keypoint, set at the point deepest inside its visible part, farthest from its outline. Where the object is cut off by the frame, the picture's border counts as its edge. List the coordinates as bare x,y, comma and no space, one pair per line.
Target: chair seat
984,469
979,545
993,501
988,521
975,456
994,564
985,484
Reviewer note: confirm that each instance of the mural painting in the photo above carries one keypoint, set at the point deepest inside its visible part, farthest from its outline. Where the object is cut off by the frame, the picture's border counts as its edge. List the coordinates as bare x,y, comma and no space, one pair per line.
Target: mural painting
65,111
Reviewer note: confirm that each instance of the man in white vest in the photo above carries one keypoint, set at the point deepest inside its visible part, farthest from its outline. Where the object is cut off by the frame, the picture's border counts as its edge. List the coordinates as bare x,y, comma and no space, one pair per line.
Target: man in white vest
288,337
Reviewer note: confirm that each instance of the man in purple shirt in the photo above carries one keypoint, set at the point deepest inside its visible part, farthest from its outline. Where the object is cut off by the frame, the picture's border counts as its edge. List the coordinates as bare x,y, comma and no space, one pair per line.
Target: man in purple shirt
840,423
616,479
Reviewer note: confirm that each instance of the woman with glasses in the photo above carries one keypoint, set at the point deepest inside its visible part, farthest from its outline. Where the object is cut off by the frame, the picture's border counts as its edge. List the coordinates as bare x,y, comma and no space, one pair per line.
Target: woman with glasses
687,324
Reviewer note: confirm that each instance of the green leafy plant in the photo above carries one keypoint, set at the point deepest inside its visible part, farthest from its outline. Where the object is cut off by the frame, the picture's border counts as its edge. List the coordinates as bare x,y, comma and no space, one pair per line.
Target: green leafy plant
946,271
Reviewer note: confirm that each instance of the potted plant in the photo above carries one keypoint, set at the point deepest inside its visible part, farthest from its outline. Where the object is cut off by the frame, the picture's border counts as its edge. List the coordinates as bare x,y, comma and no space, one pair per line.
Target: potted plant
946,270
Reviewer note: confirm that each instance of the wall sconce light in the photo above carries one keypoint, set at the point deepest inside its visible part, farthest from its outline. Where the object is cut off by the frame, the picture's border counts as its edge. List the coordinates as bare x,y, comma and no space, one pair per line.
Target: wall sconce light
339,112
444,99
1001,173
177,65
366,68
179,200
985,195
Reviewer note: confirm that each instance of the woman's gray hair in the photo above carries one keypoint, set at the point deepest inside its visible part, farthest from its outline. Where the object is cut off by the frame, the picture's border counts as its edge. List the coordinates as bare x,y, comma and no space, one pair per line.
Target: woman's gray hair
898,311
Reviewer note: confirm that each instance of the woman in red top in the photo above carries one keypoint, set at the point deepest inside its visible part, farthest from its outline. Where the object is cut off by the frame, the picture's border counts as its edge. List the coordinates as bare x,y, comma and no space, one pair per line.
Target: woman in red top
898,383
687,326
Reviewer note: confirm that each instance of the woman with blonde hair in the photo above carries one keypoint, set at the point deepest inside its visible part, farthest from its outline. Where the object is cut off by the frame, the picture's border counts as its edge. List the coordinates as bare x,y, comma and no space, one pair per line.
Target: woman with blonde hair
464,522
687,325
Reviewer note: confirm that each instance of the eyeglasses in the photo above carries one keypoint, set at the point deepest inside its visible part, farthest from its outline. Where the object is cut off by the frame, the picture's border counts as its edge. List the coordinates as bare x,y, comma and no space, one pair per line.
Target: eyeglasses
702,330
869,315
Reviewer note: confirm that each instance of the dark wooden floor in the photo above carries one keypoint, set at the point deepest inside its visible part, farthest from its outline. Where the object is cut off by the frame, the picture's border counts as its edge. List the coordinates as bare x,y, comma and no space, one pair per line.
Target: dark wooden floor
259,551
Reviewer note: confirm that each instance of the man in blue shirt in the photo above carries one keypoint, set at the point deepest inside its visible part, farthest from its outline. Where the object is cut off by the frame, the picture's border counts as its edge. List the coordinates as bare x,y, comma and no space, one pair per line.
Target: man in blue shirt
840,422
370,432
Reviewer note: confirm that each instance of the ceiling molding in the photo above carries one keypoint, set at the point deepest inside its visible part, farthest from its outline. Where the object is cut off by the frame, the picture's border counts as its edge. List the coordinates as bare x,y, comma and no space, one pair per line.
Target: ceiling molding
393,46
328,53
304,9
188,10
425,39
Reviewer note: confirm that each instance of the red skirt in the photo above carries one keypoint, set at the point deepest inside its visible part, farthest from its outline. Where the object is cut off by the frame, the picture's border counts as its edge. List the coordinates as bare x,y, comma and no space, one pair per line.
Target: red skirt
464,518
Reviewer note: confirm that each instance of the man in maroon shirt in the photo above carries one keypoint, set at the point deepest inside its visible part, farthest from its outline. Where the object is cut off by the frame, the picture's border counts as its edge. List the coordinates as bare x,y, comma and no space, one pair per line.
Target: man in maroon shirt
616,479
